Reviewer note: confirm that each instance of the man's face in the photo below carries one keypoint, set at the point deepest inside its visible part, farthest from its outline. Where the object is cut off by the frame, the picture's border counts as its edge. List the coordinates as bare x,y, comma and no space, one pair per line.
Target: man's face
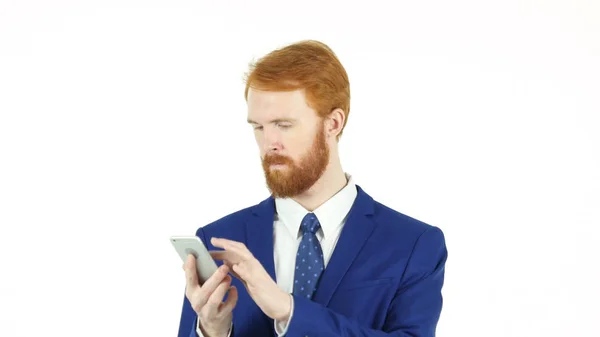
291,138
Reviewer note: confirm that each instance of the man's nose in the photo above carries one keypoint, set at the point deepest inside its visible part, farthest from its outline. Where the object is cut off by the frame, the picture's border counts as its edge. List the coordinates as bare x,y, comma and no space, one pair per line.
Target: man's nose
272,148
272,143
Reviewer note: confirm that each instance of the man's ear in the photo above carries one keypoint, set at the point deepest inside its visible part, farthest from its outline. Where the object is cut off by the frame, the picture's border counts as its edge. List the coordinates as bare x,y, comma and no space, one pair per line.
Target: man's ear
335,122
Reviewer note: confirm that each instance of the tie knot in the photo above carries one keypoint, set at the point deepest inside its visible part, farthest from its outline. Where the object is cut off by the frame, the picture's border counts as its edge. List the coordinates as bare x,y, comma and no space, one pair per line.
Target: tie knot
310,223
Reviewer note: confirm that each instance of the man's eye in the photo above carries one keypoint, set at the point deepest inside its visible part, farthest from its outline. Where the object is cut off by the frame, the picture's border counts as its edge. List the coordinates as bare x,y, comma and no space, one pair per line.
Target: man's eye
258,128
284,126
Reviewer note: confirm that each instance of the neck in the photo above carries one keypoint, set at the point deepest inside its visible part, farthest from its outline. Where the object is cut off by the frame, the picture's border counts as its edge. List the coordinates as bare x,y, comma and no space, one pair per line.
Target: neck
331,182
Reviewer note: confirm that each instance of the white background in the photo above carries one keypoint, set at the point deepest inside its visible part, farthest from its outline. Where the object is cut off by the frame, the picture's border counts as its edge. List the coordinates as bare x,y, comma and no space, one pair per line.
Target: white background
123,123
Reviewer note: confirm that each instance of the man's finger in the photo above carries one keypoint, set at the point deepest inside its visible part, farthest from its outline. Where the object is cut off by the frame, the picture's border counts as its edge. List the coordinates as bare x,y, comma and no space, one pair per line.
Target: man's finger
236,275
229,243
199,296
232,246
227,257
216,298
227,306
191,276
228,260
241,270
213,281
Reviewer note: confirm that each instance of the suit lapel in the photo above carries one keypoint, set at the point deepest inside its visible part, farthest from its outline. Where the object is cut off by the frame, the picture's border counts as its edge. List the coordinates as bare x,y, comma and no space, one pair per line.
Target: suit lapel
259,240
355,233
259,234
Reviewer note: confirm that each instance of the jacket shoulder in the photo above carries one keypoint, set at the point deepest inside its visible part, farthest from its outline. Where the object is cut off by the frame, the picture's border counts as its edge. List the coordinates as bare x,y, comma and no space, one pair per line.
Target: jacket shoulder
234,224
407,235
399,223
229,222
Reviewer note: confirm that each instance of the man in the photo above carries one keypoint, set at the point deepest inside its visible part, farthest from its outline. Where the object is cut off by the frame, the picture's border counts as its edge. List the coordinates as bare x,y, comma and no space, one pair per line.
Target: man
319,257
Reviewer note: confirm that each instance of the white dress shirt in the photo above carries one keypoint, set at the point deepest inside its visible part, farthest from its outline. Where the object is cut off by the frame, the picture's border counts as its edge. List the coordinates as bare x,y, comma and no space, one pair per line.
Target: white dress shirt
287,235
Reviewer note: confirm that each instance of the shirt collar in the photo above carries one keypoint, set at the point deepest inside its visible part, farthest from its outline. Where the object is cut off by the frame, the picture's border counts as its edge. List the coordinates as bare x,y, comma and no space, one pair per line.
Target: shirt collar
331,214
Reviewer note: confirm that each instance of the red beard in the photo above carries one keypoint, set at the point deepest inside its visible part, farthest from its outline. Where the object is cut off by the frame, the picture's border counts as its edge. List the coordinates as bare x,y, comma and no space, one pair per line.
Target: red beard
297,178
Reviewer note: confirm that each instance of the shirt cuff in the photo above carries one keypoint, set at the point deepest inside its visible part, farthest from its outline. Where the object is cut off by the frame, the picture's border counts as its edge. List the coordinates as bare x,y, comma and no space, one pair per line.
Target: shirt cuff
199,332
281,327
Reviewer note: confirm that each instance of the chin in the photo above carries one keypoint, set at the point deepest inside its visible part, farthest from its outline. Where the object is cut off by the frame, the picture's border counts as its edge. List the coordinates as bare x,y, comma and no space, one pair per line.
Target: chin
279,167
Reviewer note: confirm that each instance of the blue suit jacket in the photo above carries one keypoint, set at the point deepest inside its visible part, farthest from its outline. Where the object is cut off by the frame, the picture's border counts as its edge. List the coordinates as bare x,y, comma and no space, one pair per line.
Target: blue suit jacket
384,277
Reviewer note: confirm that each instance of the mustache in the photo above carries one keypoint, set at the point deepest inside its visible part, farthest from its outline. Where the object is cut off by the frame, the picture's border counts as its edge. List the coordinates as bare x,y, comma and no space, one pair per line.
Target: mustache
277,160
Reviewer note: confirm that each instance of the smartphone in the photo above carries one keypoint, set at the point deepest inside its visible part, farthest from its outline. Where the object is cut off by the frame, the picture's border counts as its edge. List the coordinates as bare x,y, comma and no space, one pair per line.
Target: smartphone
205,264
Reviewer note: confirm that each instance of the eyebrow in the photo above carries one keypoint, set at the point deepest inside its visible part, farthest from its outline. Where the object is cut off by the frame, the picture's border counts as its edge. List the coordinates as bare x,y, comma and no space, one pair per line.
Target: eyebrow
277,120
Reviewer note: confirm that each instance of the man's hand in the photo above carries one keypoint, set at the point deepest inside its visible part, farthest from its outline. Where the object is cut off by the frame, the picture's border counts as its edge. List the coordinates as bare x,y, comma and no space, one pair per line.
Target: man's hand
273,301
207,300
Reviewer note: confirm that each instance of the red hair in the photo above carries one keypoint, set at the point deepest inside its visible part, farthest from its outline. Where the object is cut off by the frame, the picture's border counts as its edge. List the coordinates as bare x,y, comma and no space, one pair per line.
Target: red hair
310,65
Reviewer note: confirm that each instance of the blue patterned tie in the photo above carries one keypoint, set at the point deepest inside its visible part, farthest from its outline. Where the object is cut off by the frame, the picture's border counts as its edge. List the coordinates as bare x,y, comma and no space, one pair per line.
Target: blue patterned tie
309,260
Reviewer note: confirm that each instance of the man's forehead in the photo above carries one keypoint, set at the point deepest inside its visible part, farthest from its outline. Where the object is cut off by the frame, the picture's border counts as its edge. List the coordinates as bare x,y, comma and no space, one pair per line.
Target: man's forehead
263,116
264,107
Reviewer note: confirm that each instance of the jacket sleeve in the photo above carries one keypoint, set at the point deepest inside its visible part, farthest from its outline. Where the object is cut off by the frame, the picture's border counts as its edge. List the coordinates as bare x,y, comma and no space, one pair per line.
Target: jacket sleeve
413,312
187,321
